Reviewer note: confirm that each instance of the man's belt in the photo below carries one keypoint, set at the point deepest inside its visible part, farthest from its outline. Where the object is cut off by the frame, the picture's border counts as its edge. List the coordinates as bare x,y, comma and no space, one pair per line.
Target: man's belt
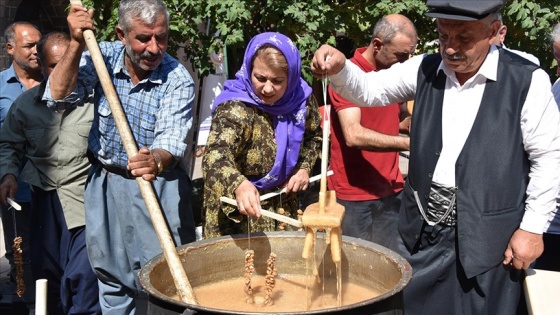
119,170
442,205
109,168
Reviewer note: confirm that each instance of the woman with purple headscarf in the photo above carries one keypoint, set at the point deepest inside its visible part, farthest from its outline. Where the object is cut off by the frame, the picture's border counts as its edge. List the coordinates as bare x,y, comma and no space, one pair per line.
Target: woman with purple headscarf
265,135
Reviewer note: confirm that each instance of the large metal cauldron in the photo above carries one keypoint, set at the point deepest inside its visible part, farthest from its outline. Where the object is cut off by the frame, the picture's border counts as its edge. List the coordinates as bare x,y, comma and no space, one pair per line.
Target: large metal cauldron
212,260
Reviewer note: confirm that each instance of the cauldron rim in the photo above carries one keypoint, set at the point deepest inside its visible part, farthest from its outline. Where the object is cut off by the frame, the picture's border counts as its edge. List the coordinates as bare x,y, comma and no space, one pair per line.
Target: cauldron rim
399,261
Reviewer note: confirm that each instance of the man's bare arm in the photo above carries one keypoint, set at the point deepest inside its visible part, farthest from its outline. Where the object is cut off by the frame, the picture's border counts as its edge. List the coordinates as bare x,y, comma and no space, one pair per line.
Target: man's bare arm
357,136
63,79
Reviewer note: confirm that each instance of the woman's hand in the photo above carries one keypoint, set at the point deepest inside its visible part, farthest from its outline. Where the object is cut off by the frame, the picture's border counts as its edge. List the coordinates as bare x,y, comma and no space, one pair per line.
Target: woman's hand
298,182
248,199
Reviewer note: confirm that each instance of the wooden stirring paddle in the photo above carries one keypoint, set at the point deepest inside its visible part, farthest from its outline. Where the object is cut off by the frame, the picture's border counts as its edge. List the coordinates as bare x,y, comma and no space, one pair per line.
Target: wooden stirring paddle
176,268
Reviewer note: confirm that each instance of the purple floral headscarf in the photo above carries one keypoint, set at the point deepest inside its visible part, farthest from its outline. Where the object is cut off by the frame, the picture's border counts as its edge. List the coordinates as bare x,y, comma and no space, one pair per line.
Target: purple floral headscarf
288,113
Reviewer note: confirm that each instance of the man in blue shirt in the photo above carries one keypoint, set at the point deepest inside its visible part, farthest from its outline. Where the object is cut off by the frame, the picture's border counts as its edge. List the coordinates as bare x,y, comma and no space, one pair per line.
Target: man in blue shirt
24,73
156,93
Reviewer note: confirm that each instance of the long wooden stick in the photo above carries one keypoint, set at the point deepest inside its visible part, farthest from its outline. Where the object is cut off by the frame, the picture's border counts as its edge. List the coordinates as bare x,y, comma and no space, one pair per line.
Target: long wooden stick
324,165
325,145
283,190
266,213
178,273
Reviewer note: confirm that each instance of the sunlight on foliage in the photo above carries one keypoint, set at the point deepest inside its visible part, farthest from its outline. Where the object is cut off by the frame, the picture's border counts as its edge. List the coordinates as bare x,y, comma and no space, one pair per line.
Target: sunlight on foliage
205,26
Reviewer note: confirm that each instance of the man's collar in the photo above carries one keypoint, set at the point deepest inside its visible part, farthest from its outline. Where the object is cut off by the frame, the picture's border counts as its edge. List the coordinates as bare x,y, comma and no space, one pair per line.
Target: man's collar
39,96
119,65
11,75
120,68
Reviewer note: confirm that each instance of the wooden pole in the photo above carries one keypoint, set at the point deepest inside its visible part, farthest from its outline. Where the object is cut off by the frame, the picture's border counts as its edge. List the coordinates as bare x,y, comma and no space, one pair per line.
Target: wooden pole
182,284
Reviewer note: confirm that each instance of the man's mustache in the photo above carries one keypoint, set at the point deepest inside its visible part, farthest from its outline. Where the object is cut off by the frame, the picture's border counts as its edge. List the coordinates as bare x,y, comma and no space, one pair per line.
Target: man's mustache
149,55
454,56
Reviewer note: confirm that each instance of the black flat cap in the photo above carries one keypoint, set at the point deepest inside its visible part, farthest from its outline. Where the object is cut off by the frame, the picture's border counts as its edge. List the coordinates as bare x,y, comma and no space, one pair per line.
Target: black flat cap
463,10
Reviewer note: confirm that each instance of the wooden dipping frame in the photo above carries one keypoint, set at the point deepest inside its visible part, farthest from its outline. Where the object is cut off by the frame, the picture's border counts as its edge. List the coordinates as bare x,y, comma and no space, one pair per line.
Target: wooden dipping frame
327,214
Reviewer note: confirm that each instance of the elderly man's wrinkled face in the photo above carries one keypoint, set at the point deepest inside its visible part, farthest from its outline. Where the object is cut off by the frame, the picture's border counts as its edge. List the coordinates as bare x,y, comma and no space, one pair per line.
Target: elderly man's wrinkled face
145,45
465,44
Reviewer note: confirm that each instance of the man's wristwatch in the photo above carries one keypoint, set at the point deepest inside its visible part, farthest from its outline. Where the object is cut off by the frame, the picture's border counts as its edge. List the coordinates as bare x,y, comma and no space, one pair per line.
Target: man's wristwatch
159,163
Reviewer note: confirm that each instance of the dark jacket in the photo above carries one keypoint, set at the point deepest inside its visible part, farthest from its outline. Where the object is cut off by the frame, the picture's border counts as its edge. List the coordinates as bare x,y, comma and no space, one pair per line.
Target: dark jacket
491,171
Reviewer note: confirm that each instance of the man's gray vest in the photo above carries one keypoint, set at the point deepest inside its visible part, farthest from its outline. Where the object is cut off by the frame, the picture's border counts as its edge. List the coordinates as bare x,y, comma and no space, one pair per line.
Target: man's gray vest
491,171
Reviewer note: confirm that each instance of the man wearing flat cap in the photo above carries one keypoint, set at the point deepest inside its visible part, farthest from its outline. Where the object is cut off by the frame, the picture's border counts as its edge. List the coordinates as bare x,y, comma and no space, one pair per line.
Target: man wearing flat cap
484,160
463,10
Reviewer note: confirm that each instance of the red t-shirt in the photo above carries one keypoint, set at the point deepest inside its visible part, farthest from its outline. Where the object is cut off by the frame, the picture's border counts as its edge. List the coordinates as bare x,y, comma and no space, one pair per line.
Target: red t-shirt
359,174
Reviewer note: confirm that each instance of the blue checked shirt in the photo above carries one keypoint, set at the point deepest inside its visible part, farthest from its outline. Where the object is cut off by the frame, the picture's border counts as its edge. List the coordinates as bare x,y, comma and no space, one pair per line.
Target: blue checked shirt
158,108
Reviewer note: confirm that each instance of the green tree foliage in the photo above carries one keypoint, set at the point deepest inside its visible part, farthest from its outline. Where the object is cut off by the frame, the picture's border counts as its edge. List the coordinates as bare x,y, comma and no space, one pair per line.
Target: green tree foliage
529,24
205,26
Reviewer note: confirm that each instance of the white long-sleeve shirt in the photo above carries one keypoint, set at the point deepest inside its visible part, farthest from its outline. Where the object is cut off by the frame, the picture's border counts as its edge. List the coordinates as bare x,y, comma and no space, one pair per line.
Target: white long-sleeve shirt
539,121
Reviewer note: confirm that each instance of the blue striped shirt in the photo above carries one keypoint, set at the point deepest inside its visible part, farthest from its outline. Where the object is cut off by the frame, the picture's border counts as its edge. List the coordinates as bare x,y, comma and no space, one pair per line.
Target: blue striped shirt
158,108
